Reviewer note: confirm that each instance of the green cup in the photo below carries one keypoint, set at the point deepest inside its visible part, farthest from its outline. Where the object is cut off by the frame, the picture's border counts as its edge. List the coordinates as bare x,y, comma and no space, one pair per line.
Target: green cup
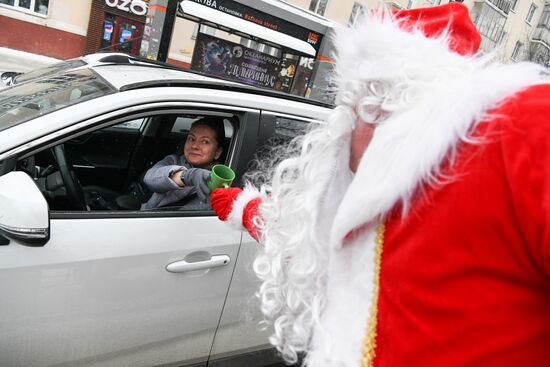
221,176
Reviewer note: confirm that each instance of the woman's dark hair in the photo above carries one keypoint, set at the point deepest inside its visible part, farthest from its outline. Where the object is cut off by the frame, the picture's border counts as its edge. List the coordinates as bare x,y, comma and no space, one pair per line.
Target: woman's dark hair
216,124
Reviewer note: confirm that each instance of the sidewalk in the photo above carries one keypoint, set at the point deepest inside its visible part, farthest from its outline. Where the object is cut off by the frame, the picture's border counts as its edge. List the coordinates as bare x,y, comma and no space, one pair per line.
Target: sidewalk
13,60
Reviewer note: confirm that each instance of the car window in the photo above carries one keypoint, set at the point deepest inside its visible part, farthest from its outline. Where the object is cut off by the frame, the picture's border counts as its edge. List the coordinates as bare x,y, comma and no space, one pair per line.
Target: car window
280,131
30,100
183,124
136,124
50,70
106,169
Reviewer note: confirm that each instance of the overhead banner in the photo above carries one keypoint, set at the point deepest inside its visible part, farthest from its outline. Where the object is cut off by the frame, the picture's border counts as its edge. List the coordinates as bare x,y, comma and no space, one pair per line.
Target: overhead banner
214,56
239,10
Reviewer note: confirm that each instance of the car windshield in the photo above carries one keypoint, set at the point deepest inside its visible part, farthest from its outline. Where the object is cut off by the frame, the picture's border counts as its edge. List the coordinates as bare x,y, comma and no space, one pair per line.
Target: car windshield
50,70
35,98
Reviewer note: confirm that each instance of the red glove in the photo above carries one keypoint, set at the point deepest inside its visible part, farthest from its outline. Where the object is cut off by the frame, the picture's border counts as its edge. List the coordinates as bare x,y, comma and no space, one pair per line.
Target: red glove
238,207
221,200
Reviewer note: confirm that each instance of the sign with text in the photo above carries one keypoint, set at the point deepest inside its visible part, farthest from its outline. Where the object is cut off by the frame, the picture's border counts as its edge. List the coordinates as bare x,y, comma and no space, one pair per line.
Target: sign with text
137,7
263,19
214,56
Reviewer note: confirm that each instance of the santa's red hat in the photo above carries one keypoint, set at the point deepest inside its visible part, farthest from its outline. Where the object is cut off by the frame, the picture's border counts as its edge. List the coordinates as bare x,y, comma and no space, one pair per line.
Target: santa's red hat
452,18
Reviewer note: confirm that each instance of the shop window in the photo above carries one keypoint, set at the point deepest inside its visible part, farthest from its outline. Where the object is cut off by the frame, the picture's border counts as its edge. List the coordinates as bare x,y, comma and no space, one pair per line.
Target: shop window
34,6
121,34
318,6
302,79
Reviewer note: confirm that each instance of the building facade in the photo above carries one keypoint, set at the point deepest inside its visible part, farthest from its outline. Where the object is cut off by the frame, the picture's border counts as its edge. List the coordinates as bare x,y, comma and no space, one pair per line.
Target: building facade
55,28
516,29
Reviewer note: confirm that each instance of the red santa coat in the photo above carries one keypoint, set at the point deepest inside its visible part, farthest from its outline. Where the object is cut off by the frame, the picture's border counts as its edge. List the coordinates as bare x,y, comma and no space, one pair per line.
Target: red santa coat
462,276
465,275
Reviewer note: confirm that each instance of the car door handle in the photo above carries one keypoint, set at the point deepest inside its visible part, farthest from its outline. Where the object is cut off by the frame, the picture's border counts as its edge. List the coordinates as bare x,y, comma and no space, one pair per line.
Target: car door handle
183,266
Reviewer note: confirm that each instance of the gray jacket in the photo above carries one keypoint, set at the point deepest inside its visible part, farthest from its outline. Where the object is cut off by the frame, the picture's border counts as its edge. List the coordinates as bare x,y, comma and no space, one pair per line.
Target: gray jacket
166,191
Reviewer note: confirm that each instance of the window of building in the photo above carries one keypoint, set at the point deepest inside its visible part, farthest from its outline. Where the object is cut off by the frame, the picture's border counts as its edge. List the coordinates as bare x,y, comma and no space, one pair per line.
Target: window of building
513,4
545,19
356,11
531,13
409,4
490,24
33,6
517,51
318,6
437,2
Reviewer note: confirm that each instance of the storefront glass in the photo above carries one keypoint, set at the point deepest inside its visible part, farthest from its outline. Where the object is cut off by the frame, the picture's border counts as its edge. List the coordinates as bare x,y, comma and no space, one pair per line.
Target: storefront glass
107,34
121,34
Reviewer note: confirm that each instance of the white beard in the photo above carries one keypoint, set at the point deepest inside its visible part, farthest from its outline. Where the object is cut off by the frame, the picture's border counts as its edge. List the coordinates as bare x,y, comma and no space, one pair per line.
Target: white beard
317,294
338,339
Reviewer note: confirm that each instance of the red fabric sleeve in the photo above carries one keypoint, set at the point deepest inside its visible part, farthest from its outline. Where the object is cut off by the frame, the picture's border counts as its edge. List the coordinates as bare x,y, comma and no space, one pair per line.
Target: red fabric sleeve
250,212
526,155
221,201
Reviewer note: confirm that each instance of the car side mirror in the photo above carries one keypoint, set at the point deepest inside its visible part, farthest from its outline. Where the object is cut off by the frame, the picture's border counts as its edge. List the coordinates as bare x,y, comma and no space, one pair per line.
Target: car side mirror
24,213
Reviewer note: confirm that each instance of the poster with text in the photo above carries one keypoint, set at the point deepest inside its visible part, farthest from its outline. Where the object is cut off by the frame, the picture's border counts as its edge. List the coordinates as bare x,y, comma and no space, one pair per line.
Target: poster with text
214,56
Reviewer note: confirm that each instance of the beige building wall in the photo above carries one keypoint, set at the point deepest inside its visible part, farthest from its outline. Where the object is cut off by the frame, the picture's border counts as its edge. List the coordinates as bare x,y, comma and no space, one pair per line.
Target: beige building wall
181,45
519,29
516,27
66,15
69,15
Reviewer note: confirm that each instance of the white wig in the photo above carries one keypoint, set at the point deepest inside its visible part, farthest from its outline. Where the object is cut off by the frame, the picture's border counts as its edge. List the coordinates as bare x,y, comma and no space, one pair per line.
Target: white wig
381,72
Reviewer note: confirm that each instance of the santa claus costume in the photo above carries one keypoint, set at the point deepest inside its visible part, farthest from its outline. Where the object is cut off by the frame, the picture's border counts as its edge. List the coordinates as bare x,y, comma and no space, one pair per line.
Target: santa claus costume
436,251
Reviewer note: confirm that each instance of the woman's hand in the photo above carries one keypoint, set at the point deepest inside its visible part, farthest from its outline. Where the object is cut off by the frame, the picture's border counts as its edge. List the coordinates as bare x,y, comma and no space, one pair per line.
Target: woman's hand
176,177
198,177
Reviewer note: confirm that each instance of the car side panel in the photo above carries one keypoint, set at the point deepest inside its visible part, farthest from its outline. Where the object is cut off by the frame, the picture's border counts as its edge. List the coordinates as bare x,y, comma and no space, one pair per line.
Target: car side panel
98,294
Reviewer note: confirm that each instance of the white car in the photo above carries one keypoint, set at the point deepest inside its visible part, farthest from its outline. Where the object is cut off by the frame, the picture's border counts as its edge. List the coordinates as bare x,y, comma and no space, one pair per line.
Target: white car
89,279
9,78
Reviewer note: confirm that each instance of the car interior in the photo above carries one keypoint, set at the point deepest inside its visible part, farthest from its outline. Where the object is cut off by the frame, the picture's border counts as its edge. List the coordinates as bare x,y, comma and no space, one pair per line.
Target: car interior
103,170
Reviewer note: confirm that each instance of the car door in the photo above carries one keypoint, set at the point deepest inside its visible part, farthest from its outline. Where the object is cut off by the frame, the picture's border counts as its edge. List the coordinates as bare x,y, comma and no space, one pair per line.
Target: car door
119,288
240,339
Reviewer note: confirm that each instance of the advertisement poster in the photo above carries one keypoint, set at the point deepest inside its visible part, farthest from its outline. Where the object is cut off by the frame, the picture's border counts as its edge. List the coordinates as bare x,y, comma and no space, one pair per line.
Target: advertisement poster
107,30
287,72
214,56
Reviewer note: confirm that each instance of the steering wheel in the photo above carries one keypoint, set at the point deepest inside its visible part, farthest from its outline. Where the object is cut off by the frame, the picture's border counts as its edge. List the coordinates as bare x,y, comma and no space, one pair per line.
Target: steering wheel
75,194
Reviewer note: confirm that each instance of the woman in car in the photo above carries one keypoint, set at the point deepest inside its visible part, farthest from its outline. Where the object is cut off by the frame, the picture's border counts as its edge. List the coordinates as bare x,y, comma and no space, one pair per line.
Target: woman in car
180,179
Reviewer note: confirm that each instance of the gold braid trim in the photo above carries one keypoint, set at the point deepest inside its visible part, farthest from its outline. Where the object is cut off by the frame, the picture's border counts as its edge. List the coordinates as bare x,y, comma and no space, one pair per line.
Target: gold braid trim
369,341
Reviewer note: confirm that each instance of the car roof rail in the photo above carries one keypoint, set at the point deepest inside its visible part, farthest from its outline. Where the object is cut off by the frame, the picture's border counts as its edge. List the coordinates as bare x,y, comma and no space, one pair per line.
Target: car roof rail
222,84
116,59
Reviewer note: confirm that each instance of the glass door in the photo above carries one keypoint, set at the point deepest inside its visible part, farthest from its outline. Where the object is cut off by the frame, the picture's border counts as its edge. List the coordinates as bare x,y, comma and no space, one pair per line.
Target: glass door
127,36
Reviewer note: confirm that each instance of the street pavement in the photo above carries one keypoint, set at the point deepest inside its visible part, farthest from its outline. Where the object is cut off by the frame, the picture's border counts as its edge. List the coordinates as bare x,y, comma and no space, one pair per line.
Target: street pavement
14,60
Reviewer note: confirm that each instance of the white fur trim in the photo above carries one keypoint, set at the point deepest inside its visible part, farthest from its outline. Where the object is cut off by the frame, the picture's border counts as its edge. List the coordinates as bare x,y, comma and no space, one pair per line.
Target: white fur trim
235,217
447,95
338,341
